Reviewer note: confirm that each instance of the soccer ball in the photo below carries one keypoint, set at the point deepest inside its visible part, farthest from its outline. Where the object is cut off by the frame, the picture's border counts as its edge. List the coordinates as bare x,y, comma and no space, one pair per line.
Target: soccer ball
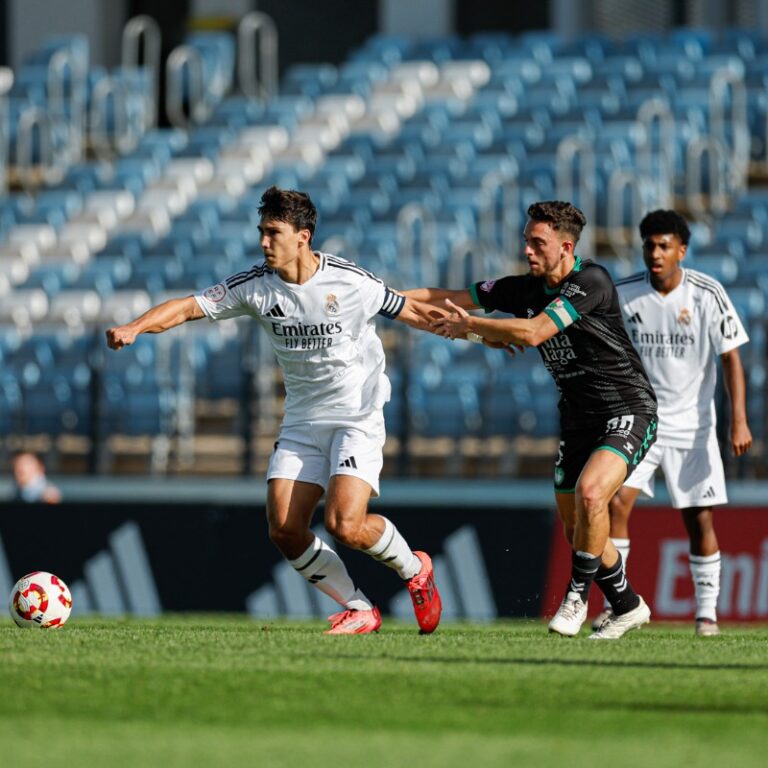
40,600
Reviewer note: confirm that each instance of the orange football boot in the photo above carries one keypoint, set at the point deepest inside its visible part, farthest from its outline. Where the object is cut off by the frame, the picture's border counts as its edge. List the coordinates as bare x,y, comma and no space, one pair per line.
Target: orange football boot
354,622
426,599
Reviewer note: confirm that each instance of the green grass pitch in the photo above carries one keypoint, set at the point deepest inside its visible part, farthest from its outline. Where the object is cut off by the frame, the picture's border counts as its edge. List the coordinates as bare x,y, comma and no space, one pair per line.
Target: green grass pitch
227,691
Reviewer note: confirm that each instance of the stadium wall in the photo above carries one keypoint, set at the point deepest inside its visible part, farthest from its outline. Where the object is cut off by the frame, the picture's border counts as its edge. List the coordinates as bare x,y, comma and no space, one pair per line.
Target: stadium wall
658,565
145,547
144,559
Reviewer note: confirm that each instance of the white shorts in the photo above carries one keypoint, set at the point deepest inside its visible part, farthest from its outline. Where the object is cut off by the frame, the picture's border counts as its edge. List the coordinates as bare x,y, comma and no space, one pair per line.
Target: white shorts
314,452
694,476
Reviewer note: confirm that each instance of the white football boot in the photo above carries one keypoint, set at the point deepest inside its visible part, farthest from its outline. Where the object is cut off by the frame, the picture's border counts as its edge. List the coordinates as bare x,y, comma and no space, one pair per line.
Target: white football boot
615,626
707,628
571,614
597,622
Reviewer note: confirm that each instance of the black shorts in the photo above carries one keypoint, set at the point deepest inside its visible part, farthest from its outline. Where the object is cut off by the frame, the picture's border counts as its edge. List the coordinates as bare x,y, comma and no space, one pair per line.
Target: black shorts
628,436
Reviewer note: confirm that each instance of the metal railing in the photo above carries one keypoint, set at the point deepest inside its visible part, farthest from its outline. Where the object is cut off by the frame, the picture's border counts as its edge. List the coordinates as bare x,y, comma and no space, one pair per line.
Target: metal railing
67,85
738,144
500,224
116,118
35,131
257,74
6,83
706,193
186,106
620,217
416,235
144,30
578,184
656,154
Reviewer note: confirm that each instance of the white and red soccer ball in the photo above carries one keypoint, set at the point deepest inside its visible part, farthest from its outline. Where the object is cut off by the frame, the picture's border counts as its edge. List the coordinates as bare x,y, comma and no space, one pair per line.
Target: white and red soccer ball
40,600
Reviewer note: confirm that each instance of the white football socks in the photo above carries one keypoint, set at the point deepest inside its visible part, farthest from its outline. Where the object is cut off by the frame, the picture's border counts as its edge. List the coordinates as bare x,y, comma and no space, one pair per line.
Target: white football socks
324,569
392,550
705,571
622,545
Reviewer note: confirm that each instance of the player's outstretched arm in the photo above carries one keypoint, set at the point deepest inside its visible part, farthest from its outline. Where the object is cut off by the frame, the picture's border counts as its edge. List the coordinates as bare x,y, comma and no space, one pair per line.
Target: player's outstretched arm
733,376
420,314
517,331
437,297
161,318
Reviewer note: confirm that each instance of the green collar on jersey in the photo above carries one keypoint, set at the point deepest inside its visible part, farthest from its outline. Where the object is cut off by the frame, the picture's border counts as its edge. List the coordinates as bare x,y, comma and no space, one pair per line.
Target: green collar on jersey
576,268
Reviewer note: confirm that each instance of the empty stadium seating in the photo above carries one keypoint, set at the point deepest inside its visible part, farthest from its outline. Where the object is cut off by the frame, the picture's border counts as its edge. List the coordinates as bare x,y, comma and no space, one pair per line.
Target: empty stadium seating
416,154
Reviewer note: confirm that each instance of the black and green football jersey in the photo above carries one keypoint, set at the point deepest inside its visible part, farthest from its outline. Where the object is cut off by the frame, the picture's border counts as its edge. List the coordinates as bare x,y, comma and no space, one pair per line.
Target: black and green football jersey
594,364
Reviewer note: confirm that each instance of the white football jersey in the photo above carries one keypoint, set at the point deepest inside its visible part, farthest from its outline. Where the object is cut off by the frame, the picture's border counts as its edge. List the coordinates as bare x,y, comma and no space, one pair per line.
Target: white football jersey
323,333
679,337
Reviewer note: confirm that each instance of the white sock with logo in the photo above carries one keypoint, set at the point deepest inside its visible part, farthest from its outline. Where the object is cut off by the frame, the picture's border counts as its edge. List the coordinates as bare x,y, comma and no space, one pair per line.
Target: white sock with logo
393,550
325,570
705,571
622,545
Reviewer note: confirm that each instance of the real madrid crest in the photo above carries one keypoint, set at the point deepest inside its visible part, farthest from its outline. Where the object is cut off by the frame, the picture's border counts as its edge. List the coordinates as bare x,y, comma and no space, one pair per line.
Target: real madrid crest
216,292
684,317
331,305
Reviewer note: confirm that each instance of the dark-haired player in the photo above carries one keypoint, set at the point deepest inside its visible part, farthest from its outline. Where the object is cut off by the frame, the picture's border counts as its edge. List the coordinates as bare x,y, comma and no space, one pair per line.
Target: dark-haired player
568,309
681,320
319,312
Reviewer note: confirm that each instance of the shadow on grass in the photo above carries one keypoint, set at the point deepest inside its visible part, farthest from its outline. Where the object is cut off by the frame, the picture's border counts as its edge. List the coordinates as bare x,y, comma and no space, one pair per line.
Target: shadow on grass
551,662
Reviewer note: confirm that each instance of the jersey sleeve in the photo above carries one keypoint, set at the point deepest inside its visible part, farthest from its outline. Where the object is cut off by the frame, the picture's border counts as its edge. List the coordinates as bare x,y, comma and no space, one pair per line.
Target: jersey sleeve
224,300
726,331
504,294
582,293
377,298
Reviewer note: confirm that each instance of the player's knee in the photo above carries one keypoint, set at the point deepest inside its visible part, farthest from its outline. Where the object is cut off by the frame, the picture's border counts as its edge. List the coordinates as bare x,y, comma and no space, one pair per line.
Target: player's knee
346,532
590,494
593,502
698,522
284,537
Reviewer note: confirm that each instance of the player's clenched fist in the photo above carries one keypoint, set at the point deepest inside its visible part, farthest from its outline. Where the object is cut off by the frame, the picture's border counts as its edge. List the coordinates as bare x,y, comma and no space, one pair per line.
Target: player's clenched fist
120,337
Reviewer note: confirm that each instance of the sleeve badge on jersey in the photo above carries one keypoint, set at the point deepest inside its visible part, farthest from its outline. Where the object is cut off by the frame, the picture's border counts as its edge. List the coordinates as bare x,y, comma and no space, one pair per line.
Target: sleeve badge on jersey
487,285
215,292
331,305
729,328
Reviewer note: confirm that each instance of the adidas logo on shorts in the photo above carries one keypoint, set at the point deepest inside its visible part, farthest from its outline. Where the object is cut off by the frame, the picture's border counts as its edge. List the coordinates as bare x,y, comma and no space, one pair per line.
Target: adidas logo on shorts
350,462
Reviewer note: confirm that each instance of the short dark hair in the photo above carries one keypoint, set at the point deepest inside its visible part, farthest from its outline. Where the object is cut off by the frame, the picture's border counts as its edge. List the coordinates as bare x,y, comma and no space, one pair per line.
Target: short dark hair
561,216
665,223
295,208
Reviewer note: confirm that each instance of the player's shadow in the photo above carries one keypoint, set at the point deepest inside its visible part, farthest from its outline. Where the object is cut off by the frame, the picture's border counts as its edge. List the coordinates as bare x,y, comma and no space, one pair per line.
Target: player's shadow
560,662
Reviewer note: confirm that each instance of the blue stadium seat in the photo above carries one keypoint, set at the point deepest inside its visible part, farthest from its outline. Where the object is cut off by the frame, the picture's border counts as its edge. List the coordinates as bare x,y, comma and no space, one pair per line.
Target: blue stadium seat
103,275
723,268
450,408
224,377
136,410
542,44
517,408
749,302
53,278
309,79
42,54
217,50
594,48
59,403
692,43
